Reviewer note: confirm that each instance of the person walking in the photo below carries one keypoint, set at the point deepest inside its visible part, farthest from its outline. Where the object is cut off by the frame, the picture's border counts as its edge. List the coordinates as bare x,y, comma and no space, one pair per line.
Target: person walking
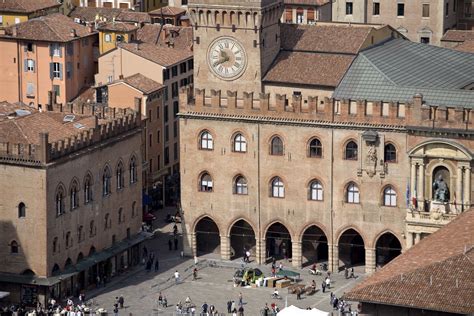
346,273
176,277
232,306
204,308
241,310
195,274
266,310
229,307
170,245
241,299
116,312
157,265
328,282
352,273
298,294
323,287
121,301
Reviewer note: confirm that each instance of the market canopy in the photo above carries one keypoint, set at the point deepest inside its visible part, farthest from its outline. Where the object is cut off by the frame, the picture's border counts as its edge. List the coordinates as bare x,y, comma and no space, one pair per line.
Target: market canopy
288,273
295,311
4,294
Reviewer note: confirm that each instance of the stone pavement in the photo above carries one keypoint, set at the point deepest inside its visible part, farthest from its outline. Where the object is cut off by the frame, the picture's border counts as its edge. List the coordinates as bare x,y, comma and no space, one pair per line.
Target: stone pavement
214,285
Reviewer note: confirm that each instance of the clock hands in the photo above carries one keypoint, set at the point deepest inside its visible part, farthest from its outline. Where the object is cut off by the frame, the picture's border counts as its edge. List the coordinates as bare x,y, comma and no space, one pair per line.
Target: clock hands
223,58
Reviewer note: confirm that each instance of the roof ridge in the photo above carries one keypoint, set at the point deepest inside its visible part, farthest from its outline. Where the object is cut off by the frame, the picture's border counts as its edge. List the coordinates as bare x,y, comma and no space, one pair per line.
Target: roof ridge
377,69
46,22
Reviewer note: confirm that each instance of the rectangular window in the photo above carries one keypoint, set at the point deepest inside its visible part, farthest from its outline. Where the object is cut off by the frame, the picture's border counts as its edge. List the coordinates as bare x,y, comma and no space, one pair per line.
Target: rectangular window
353,107
55,50
159,162
425,10
424,40
165,115
447,9
182,68
17,20
165,93
175,129
349,8
150,140
174,90
57,90
150,166
376,10
183,82
190,64
166,74
158,112
158,136
299,17
110,79
30,89
174,71
369,108
70,49
68,70
30,65
401,110
108,38
56,70
175,149
400,9
1,19
167,156
175,108
29,47
167,133
385,109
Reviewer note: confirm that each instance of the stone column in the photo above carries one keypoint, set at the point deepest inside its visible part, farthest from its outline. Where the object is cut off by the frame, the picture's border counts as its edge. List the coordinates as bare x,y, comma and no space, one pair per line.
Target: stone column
296,254
189,244
467,186
260,250
421,186
370,260
225,247
413,180
409,240
417,238
333,254
459,193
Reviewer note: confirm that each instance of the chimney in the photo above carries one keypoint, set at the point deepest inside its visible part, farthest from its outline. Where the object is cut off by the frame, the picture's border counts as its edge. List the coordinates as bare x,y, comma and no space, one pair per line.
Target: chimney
73,33
90,28
14,31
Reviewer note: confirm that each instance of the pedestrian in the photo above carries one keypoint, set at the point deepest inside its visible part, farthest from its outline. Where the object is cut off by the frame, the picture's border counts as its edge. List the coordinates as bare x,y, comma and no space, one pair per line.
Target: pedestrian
352,273
121,301
298,294
196,260
195,274
241,300
116,311
234,312
280,266
346,273
266,310
117,301
328,282
170,245
247,256
176,277
232,306
176,244
241,310
323,287
157,265
160,299
204,308
229,307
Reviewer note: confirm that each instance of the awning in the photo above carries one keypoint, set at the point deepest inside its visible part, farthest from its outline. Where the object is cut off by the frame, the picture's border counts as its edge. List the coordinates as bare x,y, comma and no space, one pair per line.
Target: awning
295,311
4,294
288,273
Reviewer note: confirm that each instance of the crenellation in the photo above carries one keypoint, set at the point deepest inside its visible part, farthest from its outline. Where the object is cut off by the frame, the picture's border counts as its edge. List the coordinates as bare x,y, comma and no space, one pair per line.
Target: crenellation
248,101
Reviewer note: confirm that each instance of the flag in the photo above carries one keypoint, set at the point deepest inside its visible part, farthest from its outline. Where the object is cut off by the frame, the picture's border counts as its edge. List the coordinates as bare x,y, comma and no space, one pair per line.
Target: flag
454,202
408,195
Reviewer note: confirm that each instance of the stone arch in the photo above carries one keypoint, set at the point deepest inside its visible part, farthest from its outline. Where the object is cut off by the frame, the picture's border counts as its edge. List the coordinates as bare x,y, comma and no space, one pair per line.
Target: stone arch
424,148
80,257
351,247
278,240
68,263
207,235
314,244
28,272
56,270
387,247
242,235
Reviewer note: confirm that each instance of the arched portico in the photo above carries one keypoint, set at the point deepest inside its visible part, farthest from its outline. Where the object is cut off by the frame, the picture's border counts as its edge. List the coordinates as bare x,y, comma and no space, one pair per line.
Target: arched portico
207,236
351,249
314,245
278,242
242,238
387,248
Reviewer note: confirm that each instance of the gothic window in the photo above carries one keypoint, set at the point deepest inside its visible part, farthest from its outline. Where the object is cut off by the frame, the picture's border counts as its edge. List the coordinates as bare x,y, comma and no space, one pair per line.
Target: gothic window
389,196
206,141
106,177
205,183
277,188
315,148
68,240
21,210
80,233
14,247
106,221
352,194
315,191
240,186
73,195
276,146
390,153
87,189
133,170
134,206
351,151
240,143
120,175
91,229
55,245
120,215
59,201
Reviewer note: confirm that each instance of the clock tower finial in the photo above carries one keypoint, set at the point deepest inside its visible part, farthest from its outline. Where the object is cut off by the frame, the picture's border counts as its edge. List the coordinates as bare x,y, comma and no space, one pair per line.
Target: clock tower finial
235,42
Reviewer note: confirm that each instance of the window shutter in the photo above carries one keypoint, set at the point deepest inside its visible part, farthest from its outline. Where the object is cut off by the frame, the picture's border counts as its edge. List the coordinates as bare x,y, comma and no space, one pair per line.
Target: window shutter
289,14
51,49
61,71
34,66
60,50
310,14
25,64
32,48
51,68
25,47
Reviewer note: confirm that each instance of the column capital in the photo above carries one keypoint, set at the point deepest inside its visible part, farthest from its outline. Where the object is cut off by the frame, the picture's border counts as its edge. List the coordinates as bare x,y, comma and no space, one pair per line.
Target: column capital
369,249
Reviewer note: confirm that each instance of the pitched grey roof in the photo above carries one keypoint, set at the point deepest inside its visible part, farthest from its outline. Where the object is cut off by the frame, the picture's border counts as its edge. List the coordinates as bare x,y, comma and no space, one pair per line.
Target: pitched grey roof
399,69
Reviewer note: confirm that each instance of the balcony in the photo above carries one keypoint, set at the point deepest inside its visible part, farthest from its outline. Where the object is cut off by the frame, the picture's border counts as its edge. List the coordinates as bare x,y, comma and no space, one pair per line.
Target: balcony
428,219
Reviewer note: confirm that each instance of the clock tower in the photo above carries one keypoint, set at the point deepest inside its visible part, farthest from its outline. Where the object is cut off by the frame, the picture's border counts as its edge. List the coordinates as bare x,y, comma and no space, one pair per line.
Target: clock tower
235,42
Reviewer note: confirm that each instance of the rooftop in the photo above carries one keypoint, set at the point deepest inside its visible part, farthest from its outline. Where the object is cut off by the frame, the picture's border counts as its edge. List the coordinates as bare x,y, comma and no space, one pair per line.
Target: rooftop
436,274
164,56
178,37
458,36
134,16
27,6
11,110
92,14
307,2
467,47
50,28
142,83
398,69
168,11
118,27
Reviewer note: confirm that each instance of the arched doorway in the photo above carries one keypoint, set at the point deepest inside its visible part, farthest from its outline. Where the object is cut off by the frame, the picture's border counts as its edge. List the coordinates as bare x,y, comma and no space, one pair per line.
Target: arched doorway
278,241
56,270
387,248
242,238
207,237
351,249
314,245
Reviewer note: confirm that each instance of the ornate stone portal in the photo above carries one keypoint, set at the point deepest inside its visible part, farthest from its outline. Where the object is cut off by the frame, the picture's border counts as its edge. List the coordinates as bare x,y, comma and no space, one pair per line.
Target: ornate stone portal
371,163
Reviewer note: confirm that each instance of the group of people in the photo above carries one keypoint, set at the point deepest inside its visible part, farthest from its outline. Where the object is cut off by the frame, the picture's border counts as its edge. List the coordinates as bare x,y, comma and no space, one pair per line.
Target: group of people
173,241
150,260
341,306
271,310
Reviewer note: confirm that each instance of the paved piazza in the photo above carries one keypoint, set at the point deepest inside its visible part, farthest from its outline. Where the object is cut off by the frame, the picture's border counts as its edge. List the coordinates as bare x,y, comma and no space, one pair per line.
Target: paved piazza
214,285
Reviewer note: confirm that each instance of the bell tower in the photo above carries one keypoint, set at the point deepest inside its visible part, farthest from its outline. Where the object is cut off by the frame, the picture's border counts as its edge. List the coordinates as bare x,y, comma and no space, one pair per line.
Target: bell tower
235,42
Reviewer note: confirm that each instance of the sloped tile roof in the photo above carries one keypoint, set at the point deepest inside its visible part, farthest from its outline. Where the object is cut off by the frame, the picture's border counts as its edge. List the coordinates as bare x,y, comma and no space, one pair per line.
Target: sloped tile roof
458,35
27,6
436,274
142,83
50,28
8,109
467,47
118,27
178,36
134,16
164,56
398,69
168,11
90,14
307,2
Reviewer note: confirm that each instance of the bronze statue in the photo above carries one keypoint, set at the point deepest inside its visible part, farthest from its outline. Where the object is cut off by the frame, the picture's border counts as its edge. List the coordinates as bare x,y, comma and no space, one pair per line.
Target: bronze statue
441,190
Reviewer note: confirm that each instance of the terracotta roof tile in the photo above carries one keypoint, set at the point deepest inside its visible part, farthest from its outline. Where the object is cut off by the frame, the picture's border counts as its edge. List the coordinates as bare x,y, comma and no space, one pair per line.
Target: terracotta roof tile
27,6
134,16
161,55
118,27
51,28
467,47
177,36
436,274
168,11
142,83
309,68
307,2
458,35
91,14
8,109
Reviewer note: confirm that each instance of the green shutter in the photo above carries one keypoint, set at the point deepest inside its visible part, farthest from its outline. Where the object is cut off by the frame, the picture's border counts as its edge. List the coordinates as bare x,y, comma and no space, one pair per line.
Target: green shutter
51,48
61,71
51,68
25,65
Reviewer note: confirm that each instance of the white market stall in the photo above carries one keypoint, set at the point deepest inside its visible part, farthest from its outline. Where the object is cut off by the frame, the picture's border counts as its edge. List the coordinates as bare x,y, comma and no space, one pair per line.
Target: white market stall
295,311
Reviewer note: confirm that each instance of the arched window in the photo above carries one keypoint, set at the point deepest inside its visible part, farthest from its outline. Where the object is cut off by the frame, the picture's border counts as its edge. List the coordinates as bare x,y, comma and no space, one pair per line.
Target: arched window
68,240
120,215
13,247
134,206
315,148
59,201
315,191
351,151
106,221
389,196
277,188
390,153
106,177
276,147
55,245
91,229
120,176
133,170
21,210
73,195
206,141
240,143
352,194
205,183
87,189
240,186
80,230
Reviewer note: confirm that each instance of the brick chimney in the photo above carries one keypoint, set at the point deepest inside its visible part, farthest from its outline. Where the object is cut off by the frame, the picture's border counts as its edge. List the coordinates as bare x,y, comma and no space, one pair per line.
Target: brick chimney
73,33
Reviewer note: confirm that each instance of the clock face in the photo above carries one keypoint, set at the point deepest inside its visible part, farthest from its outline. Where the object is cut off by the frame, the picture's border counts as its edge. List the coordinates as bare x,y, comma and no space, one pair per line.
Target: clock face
227,58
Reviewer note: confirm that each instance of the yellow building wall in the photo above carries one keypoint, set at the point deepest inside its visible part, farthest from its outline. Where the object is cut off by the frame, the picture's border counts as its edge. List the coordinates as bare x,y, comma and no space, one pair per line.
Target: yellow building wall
105,46
9,18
